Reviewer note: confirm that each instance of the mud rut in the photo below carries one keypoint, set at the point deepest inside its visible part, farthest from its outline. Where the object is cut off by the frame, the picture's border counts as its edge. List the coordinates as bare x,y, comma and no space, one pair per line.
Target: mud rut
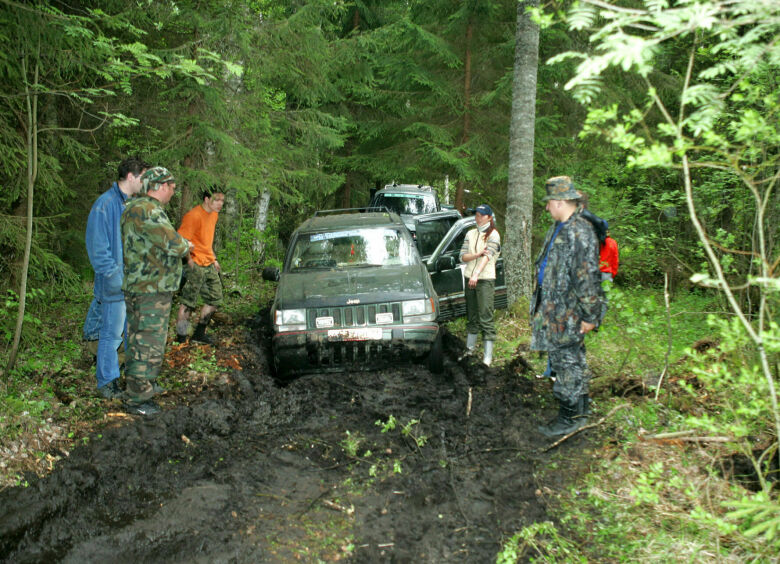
252,471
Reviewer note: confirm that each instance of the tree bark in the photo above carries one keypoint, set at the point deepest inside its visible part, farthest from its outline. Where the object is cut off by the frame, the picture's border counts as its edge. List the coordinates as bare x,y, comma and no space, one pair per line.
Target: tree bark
520,189
261,220
459,192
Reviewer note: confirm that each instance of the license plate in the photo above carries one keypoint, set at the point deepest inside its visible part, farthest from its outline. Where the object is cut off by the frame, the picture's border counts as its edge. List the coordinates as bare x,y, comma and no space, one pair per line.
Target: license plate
384,317
366,334
323,322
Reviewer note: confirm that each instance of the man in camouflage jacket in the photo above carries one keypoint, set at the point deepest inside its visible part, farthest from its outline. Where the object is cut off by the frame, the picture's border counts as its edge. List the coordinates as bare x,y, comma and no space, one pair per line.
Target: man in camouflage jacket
152,257
566,303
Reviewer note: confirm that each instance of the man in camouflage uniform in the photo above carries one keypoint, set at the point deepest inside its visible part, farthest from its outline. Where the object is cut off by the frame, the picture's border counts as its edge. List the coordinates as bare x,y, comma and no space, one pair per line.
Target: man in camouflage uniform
152,255
566,303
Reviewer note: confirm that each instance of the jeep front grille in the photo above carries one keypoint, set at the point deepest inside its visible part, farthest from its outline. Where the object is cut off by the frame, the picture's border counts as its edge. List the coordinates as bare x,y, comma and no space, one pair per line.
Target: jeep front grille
353,316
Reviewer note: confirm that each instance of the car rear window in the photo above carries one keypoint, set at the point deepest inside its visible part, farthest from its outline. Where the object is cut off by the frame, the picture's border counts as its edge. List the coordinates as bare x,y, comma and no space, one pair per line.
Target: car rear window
351,248
411,204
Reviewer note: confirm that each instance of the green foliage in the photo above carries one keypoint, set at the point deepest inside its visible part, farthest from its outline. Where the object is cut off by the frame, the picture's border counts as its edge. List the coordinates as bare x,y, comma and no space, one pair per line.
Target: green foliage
540,541
352,442
758,515
634,335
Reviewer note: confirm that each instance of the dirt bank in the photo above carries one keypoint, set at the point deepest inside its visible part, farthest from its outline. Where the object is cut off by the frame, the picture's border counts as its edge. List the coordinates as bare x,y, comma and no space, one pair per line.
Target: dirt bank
395,465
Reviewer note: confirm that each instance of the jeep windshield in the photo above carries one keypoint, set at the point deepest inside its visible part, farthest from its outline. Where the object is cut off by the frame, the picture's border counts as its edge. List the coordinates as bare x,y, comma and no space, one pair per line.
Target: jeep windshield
351,248
406,204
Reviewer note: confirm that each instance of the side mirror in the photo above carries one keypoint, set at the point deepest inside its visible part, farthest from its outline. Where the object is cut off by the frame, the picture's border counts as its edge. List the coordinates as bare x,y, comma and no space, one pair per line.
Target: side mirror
445,263
271,273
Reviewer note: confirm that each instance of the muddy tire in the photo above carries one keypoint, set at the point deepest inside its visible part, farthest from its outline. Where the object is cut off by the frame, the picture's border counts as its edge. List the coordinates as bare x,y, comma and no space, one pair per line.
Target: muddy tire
281,372
435,360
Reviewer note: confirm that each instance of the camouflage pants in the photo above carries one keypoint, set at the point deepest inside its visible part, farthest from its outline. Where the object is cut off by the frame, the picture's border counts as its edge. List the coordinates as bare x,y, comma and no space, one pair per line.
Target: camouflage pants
479,309
571,372
147,330
202,281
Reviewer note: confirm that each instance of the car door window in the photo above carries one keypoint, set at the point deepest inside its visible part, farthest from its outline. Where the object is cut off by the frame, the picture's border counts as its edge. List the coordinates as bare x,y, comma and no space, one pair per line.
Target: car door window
453,248
431,232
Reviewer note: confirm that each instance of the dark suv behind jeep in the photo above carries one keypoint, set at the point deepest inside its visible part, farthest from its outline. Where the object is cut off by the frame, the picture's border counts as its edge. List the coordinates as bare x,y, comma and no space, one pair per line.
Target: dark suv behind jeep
353,292
411,201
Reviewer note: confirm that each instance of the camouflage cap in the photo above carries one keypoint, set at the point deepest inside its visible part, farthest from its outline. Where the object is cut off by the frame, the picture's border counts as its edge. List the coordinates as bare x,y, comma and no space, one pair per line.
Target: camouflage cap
560,188
154,177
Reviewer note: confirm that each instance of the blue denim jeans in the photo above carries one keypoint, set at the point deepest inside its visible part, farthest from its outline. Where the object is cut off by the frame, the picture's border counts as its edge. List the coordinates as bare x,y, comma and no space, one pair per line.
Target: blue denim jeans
92,322
111,329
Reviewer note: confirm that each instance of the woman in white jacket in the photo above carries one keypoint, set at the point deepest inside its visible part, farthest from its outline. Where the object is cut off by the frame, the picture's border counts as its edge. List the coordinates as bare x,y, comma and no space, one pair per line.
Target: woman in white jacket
480,250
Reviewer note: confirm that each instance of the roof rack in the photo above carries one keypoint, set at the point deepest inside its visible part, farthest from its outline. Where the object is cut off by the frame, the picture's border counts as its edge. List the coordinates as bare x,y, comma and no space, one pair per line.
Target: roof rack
351,210
417,186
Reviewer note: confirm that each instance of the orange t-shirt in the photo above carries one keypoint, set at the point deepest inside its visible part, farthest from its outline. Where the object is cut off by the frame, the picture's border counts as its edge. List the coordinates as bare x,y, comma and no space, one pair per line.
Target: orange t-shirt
198,226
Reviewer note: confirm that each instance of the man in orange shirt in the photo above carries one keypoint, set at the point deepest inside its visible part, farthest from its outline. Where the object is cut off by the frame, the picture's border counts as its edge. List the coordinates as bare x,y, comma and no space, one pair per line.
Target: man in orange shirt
198,226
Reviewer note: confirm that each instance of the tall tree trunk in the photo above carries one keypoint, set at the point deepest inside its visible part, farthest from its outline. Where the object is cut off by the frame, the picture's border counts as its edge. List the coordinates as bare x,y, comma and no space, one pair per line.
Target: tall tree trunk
520,189
261,220
188,163
459,200
31,141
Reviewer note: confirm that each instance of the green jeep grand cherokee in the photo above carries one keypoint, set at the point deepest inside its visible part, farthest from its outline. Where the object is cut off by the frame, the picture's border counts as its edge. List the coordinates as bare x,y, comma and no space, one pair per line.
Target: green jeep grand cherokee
353,292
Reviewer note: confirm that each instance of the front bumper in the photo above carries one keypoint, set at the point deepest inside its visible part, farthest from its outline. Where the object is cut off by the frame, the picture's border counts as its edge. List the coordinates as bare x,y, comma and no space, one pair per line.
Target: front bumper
327,350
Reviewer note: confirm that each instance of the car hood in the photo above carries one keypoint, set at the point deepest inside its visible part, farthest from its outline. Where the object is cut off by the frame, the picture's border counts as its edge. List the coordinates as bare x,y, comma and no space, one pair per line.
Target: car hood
329,288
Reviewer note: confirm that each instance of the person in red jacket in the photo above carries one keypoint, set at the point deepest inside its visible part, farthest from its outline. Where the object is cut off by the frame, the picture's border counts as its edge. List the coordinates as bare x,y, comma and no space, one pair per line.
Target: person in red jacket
203,280
608,258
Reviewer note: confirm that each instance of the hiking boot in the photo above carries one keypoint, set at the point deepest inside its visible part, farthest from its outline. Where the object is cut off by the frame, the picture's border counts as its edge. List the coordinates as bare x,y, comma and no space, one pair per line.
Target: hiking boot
199,336
567,421
180,338
111,391
149,407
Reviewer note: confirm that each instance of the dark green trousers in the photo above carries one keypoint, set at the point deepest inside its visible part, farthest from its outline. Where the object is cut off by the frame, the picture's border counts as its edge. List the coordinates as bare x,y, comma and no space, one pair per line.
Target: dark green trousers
479,309
147,331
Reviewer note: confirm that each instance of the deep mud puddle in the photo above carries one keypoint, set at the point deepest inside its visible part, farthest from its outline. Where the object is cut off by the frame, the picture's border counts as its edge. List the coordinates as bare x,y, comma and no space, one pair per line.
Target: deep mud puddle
393,465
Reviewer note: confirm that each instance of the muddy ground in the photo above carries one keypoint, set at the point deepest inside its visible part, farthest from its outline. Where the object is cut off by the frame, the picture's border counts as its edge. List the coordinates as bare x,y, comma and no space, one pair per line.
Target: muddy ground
253,470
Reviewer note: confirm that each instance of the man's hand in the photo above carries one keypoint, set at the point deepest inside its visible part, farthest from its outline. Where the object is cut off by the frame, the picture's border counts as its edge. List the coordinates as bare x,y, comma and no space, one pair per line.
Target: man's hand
586,327
217,266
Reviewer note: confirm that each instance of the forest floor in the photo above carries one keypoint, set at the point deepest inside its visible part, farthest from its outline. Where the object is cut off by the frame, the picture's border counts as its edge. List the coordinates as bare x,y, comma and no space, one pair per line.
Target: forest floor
391,465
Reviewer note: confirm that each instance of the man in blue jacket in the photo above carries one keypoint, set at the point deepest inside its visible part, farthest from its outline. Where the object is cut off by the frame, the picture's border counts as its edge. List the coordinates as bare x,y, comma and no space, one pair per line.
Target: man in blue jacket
104,247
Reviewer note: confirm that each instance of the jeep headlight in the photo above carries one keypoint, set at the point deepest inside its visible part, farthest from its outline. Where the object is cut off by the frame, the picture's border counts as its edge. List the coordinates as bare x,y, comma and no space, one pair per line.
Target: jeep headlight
290,320
418,310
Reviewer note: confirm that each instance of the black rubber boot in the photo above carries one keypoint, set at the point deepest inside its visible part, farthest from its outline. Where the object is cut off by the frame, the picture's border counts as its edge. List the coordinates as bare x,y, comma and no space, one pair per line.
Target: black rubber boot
200,336
567,421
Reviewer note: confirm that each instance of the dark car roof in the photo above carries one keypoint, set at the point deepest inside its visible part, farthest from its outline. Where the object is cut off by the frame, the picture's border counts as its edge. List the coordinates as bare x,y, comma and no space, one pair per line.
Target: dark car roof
324,220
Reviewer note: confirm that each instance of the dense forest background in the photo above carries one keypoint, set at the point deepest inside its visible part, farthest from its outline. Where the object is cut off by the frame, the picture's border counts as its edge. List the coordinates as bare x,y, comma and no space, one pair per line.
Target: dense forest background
297,106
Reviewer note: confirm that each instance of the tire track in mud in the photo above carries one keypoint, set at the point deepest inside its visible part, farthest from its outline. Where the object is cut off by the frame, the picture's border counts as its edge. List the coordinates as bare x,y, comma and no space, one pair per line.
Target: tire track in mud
253,471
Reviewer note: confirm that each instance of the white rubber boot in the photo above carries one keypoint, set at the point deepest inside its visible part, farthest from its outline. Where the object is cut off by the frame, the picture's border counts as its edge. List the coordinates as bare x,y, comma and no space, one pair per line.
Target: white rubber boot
487,359
471,344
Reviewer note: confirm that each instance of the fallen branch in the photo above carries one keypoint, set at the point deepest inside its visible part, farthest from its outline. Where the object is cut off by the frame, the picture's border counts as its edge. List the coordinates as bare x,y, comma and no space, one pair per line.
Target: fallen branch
584,427
705,439
686,436
333,505
672,435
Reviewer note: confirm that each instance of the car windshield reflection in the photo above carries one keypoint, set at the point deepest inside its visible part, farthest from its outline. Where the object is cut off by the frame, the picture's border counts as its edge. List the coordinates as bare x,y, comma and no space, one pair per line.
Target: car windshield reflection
407,204
353,248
